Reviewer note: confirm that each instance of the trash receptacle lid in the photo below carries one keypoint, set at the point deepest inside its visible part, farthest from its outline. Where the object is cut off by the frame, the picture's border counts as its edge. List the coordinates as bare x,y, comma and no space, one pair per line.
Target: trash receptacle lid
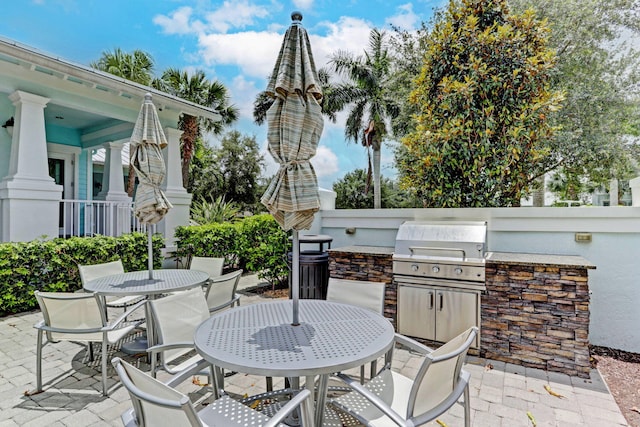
315,238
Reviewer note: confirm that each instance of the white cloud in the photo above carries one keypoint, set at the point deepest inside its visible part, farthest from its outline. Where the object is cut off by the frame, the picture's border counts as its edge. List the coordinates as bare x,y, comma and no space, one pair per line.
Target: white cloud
405,19
348,34
325,162
234,14
231,15
303,4
178,21
243,92
253,52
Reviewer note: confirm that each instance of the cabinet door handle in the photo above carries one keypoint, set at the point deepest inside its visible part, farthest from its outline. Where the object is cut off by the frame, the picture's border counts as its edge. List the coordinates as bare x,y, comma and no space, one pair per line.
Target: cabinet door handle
441,301
431,300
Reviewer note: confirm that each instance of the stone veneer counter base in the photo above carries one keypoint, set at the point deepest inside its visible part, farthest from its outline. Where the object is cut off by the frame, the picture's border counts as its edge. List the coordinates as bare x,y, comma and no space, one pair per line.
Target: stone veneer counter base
535,311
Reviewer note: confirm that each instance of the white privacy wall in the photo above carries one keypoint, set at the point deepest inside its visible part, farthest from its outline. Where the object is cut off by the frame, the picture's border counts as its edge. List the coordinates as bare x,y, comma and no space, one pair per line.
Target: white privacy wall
614,250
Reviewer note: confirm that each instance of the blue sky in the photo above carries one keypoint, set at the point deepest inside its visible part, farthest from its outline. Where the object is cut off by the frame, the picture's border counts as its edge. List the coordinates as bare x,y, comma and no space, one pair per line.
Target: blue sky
236,42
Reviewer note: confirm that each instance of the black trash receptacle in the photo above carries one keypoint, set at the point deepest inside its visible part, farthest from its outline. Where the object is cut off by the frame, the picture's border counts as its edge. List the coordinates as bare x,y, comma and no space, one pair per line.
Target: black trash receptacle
314,274
314,268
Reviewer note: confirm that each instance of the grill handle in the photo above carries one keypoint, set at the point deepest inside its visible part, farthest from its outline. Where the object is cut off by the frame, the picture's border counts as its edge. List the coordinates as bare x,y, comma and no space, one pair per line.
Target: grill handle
430,248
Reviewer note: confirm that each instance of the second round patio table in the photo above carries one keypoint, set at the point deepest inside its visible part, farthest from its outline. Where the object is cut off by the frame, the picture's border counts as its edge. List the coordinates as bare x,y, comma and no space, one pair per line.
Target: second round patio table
139,283
259,339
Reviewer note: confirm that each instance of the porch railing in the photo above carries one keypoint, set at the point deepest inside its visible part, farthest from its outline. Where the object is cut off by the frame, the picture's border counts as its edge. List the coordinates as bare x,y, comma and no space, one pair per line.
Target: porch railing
92,217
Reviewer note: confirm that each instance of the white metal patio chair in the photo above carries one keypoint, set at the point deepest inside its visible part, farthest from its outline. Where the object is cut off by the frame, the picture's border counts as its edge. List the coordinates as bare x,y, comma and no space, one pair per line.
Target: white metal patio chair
221,291
361,293
210,265
175,318
72,316
96,271
392,399
158,404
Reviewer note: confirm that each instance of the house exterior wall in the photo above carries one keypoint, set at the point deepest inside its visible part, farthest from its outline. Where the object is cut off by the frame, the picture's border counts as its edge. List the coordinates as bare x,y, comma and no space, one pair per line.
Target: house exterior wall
613,248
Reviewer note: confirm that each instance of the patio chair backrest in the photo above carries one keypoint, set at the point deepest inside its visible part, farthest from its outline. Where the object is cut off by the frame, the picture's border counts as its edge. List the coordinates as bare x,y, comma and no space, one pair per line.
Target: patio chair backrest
176,317
439,373
71,311
212,266
96,271
221,291
362,293
155,403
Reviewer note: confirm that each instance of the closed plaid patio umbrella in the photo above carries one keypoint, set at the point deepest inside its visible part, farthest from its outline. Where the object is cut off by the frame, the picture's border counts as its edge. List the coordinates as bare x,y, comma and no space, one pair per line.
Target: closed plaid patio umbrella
295,124
147,141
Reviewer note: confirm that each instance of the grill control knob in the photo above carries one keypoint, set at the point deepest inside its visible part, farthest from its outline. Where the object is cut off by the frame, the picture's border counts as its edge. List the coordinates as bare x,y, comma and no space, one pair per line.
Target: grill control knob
435,269
414,267
458,270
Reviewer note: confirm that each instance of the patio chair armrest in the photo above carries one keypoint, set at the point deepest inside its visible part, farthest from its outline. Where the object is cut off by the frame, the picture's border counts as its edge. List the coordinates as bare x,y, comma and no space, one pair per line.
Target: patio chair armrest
230,303
297,400
446,403
68,331
127,313
194,369
371,397
163,347
412,344
39,324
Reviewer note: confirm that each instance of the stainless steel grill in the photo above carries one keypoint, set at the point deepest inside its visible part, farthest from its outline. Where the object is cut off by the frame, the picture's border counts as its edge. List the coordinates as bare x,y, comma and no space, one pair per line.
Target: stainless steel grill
439,270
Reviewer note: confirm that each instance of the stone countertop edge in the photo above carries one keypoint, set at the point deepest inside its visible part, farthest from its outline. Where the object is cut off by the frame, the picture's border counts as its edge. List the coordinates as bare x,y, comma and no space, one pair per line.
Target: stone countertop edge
369,250
538,259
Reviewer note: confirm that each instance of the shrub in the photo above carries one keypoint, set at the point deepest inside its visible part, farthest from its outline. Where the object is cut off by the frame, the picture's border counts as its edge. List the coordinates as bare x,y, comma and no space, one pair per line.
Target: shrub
52,265
255,244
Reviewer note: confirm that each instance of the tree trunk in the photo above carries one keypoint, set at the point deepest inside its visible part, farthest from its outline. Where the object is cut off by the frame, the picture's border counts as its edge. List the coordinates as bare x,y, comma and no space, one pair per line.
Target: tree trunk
377,203
538,192
187,140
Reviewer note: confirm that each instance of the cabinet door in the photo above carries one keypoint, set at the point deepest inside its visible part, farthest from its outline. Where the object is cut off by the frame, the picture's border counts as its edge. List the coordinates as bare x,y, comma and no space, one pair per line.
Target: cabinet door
456,311
416,314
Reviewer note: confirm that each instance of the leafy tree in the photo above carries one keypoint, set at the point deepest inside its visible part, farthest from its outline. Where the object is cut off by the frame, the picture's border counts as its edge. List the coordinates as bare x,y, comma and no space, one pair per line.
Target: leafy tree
205,177
351,193
240,163
484,101
196,88
368,94
598,72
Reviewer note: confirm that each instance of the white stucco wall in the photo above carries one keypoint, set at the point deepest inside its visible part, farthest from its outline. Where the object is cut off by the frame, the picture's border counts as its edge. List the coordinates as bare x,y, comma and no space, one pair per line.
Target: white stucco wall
614,250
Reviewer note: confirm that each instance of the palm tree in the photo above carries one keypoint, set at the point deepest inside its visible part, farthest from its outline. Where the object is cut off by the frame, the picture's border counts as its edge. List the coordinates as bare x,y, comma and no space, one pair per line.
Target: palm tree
137,66
196,88
367,90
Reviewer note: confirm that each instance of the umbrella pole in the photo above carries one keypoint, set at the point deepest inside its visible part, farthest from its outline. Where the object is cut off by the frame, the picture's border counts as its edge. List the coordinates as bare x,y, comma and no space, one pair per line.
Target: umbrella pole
150,249
295,278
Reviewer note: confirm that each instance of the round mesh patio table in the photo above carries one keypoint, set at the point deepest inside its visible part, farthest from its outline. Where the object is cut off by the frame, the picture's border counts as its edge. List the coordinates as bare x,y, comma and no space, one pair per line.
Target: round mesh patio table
138,283
259,339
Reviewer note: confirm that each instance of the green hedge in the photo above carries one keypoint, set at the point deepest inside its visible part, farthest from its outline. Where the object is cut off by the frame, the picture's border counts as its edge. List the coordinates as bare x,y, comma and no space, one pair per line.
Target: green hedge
52,265
255,244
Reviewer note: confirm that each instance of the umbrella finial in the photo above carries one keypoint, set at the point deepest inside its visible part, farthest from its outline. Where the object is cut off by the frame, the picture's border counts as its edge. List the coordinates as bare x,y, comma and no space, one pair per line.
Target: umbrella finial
147,97
296,17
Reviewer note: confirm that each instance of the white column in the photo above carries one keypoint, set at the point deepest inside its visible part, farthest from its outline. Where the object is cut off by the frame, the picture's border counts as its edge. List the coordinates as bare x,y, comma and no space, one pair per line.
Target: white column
113,175
29,197
173,161
174,189
118,214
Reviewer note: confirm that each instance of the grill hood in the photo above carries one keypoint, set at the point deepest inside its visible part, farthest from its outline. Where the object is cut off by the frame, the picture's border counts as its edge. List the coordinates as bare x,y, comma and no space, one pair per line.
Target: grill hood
465,240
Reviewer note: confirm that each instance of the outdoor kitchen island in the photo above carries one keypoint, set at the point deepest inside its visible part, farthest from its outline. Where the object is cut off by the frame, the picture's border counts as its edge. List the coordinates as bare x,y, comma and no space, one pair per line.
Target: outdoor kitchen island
534,311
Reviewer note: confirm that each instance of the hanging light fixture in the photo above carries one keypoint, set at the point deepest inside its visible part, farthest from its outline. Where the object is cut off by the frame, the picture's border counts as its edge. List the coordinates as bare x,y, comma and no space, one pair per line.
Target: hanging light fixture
8,125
